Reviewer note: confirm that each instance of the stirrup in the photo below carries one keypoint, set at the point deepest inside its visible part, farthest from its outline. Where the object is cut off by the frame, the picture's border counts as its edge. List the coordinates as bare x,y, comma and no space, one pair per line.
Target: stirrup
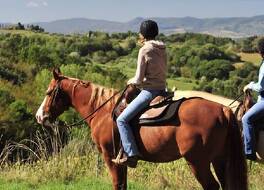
125,160
119,159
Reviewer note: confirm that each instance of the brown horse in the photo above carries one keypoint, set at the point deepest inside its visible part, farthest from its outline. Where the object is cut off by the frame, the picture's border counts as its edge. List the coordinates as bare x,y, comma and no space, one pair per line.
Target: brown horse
203,132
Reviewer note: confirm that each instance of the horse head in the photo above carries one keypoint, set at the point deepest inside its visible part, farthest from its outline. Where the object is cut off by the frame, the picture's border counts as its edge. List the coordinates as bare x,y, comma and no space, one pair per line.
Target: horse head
56,101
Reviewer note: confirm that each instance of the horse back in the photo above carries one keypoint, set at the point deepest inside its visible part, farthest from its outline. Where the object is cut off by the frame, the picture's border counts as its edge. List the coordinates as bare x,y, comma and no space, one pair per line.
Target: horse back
201,113
199,123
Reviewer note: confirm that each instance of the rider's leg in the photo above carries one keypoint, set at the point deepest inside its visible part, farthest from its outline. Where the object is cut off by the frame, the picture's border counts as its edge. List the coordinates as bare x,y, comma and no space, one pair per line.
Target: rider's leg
126,134
249,120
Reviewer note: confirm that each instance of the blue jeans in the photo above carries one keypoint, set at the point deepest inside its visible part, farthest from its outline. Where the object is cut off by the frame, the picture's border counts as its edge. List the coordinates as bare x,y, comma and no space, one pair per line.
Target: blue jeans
249,121
137,105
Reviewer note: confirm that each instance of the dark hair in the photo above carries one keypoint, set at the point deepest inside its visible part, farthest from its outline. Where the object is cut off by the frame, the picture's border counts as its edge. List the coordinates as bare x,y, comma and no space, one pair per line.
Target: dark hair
149,29
260,45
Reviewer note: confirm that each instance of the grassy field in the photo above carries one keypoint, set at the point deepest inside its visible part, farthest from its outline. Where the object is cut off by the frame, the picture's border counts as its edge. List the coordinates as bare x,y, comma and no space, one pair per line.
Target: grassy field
91,183
254,58
171,176
79,166
146,176
181,83
24,32
85,183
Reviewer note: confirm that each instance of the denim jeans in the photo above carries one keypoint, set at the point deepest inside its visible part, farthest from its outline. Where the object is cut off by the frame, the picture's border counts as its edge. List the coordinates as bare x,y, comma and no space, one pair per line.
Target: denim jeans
249,121
137,105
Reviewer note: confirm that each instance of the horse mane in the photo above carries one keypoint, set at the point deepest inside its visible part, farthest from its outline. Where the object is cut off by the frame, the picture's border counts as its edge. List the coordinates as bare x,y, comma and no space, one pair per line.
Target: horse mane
99,94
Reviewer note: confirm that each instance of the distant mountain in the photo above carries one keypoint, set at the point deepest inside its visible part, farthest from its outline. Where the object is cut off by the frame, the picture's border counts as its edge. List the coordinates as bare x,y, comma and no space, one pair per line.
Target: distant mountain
225,27
81,25
4,24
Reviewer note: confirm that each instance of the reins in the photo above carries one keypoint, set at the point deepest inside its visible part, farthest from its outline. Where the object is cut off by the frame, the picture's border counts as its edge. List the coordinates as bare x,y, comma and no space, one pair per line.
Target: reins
236,99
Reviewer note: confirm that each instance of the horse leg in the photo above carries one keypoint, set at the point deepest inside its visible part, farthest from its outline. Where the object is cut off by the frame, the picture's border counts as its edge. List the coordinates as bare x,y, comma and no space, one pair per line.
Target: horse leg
202,172
219,167
118,173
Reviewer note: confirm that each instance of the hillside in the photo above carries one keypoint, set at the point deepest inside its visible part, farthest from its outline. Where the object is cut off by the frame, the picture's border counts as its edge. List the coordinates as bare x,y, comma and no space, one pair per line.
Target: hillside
195,62
225,27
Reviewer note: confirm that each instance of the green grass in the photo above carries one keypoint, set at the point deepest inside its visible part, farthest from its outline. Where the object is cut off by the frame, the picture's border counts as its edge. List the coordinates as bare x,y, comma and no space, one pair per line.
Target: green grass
147,176
13,185
181,83
78,167
254,58
82,184
23,32
91,183
63,173
256,176
238,65
4,31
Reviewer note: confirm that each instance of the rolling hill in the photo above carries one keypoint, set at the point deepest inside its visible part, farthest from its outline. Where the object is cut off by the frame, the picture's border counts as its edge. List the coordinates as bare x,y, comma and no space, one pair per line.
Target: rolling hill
225,27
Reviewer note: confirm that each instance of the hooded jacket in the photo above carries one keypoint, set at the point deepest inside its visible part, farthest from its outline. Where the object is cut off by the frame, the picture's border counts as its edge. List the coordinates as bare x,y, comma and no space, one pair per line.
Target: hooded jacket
151,66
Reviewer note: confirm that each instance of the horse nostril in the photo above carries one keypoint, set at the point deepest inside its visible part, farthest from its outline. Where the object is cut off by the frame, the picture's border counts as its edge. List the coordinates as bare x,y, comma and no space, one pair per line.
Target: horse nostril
46,121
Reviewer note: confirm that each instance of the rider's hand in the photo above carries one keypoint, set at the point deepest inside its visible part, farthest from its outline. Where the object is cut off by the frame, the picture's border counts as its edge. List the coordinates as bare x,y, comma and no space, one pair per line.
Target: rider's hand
130,81
246,88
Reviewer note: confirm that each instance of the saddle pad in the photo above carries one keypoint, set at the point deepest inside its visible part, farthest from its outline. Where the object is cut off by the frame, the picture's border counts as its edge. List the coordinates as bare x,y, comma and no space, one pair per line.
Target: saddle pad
166,115
153,112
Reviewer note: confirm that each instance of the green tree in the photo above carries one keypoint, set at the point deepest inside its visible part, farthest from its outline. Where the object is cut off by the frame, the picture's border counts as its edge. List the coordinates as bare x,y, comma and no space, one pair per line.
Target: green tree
5,98
214,69
42,81
40,56
20,26
19,111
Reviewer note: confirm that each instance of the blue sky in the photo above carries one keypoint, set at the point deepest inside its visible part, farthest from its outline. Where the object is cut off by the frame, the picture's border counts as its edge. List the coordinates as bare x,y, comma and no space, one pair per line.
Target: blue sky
124,10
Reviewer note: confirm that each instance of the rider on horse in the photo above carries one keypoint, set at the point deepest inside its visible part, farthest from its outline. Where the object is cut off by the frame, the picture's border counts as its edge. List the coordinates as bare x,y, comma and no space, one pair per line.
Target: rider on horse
151,76
256,112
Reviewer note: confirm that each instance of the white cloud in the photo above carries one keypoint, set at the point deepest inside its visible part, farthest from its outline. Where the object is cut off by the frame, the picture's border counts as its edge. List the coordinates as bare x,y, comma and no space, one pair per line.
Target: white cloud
32,4
44,3
37,3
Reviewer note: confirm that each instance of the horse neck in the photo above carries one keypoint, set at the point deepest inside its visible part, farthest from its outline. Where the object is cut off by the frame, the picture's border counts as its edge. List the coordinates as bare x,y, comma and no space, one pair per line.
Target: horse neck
87,97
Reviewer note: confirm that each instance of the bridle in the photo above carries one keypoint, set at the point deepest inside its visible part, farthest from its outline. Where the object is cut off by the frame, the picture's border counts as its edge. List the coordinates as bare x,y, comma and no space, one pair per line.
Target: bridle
53,94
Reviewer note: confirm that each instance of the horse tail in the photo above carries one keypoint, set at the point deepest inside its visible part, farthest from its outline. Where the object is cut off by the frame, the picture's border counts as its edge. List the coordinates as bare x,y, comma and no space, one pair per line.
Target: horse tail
236,166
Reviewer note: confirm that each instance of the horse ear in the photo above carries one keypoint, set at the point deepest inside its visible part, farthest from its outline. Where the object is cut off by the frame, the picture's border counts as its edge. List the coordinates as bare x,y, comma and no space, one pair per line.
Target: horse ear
56,73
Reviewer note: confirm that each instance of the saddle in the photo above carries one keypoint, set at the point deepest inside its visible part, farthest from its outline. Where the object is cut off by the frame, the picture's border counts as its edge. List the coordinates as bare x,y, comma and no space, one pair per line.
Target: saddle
160,113
161,109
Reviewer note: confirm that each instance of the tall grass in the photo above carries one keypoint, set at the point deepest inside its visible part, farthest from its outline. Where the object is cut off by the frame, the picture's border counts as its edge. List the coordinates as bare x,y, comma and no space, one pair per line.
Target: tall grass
78,165
65,165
